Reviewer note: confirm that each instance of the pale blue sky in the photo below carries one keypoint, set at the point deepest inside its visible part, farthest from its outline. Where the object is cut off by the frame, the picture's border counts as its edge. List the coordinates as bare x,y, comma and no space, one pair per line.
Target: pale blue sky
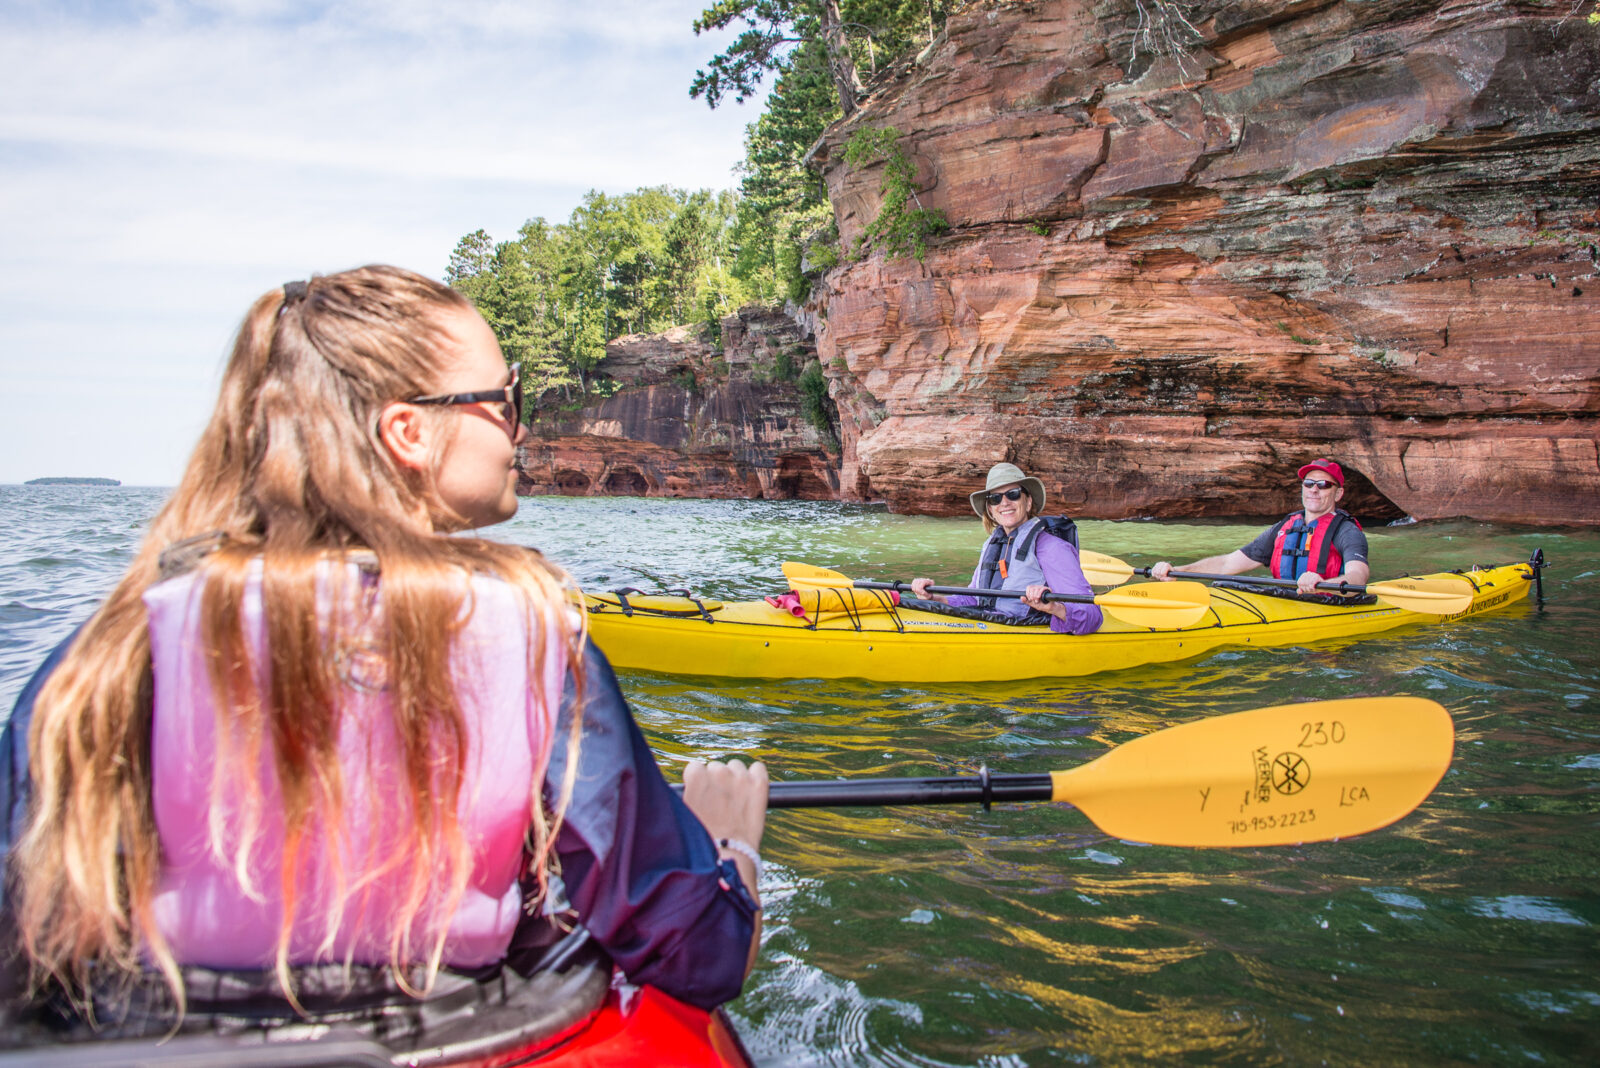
163,163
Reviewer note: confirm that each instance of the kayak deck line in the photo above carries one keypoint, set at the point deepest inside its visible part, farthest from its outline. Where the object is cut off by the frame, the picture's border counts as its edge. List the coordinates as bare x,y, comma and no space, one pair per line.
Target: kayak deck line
680,634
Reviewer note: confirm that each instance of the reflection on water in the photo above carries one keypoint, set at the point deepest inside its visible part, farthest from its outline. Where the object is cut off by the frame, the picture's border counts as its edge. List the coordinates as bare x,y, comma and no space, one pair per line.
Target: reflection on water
1469,931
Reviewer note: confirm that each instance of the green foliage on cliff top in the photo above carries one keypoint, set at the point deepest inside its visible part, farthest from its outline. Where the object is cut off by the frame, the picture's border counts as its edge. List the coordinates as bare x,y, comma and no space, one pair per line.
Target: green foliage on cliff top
634,263
784,232
782,202
658,257
899,229
852,36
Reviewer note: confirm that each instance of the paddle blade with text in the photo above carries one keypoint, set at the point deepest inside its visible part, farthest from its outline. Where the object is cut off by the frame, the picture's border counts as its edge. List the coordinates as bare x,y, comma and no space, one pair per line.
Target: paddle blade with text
1270,776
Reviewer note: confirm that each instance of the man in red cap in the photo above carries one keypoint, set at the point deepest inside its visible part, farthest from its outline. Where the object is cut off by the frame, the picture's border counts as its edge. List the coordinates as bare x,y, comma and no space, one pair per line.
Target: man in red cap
1320,543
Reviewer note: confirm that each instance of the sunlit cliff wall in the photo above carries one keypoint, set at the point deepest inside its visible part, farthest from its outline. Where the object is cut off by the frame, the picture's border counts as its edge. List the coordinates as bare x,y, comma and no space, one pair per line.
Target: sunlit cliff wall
1181,263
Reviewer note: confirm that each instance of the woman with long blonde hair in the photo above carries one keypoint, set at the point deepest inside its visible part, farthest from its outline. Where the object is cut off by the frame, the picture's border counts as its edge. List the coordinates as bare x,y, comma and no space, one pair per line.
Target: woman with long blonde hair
315,726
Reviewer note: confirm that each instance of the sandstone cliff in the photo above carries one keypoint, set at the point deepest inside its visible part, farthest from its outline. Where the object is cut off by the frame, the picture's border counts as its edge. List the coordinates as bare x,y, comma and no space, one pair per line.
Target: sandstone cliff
691,420
1184,261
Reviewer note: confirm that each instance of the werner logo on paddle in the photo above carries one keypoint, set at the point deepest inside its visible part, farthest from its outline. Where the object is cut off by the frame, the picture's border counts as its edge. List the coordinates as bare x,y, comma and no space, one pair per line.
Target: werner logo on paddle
1263,777
1290,773
1287,773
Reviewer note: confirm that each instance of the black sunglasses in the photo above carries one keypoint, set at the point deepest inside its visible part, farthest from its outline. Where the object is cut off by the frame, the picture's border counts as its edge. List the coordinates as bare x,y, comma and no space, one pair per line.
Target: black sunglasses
1317,484
1013,494
509,396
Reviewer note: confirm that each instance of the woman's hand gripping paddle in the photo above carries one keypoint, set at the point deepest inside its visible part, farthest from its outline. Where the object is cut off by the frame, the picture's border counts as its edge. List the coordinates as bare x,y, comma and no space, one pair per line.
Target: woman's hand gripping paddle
1163,605
1430,596
1272,776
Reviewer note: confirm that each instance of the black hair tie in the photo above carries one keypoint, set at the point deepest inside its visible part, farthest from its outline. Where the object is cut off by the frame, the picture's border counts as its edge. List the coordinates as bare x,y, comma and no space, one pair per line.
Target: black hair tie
293,291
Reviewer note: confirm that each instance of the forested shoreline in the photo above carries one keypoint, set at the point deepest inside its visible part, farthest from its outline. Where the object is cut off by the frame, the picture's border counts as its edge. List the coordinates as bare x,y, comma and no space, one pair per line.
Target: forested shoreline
657,257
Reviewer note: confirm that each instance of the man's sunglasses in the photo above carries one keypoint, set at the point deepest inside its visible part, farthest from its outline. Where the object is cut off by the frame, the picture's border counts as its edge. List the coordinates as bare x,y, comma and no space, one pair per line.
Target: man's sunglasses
1012,494
1317,484
509,396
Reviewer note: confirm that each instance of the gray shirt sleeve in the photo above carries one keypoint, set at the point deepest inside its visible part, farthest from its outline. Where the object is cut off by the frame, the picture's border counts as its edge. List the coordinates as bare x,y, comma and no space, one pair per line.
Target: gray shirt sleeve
1351,541
1260,550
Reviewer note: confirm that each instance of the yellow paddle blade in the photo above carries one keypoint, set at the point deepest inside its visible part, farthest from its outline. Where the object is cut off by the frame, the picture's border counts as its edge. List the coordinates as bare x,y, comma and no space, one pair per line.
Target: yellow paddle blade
1270,776
1103,570
1434,596
1166,605
808,575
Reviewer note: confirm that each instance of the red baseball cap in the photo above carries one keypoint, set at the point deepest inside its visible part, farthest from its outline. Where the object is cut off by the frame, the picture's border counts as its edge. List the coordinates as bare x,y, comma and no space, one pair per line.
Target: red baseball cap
1331,469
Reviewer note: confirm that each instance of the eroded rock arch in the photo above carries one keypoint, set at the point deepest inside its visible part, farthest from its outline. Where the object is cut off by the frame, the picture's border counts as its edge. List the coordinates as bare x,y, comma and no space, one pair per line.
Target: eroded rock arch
626,481
1366,501
572,483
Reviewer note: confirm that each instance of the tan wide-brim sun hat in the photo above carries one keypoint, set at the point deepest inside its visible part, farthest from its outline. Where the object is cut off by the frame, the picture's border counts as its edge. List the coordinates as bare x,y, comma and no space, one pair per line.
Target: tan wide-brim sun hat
1005,475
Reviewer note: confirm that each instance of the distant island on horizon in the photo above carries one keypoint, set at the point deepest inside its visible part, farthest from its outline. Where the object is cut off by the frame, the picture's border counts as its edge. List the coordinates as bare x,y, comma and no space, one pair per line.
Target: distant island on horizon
72,482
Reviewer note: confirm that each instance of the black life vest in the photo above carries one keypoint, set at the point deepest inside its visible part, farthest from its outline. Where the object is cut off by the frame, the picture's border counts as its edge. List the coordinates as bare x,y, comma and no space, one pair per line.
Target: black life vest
999,555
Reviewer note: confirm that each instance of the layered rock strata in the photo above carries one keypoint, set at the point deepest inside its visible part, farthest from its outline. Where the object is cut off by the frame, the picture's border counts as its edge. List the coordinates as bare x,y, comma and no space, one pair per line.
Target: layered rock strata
1189,253
690,419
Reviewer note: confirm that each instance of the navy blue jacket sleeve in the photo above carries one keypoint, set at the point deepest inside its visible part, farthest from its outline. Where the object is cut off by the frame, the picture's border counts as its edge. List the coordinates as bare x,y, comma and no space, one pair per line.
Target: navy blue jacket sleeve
639,868
15,786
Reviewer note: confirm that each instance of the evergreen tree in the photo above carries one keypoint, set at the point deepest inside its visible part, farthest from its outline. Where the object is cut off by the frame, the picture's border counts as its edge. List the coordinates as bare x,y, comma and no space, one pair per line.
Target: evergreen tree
471,264
656,257
634,263
846,33
783,236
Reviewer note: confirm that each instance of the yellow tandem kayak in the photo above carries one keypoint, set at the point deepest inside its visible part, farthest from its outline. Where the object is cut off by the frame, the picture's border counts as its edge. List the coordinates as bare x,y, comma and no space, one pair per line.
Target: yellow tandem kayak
684,635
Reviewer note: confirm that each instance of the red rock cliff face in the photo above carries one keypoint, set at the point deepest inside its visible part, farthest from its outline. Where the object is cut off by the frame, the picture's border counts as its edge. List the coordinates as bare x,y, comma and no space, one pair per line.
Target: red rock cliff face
1365,230
690,421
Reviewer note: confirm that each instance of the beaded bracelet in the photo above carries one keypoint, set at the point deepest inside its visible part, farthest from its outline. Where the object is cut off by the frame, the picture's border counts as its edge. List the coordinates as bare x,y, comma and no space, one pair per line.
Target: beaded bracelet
738,845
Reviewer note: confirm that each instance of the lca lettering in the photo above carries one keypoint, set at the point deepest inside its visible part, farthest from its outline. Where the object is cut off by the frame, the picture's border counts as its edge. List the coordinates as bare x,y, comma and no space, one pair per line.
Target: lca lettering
1349,795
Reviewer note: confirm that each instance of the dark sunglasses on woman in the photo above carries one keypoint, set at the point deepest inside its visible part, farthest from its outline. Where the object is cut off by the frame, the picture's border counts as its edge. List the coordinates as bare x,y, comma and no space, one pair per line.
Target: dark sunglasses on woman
1012,494
509,396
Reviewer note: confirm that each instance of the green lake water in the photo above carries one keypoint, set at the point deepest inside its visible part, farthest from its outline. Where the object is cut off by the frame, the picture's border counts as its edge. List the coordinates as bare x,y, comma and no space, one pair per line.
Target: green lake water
1469,932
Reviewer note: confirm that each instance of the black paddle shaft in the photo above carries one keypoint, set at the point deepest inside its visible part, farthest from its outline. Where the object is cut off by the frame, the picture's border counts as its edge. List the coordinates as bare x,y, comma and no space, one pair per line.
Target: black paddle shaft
905,587
982,788
1337,587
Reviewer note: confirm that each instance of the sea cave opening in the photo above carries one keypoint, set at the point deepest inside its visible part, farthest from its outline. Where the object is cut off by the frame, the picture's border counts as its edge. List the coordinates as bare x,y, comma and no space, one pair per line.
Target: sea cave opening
1367,502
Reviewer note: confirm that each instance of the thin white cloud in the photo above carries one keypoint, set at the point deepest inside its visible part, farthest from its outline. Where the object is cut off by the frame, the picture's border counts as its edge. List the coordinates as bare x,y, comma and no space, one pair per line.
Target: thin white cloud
162,163
433,102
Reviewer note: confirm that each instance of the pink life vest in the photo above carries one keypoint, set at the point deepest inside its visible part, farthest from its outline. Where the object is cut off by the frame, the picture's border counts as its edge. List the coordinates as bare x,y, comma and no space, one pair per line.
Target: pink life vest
213,918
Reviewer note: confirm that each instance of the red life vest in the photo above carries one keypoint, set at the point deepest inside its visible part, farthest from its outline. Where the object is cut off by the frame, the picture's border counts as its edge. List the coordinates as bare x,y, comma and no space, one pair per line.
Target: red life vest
1296,550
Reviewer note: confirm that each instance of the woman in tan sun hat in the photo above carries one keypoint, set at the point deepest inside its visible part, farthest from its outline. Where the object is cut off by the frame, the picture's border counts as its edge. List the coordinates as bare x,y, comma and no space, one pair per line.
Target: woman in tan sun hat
1025,552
